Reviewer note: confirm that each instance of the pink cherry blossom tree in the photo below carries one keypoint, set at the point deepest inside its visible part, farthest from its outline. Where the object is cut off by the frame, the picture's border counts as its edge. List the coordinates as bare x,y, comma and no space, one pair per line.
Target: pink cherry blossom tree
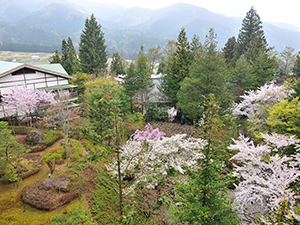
24,101
265,175
149,133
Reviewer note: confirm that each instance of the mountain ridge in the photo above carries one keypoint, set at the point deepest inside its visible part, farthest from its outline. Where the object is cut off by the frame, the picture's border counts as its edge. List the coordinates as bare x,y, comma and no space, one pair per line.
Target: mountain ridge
125,28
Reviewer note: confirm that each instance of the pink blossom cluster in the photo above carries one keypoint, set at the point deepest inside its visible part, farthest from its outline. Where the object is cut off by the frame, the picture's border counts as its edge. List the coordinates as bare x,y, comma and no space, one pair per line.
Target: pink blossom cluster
149,133
26,100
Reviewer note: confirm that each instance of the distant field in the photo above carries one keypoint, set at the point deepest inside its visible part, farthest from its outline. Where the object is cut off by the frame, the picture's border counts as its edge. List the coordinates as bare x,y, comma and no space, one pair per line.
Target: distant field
24,57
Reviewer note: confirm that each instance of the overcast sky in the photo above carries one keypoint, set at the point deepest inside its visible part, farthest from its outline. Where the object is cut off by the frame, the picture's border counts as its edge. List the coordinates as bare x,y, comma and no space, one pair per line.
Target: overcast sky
287,11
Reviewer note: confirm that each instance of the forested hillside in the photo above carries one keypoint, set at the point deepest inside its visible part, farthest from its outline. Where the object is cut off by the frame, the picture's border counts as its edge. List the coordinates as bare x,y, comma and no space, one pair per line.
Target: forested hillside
48,22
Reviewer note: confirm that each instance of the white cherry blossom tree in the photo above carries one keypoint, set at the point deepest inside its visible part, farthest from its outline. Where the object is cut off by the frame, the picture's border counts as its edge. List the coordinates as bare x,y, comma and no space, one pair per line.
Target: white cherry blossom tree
265,175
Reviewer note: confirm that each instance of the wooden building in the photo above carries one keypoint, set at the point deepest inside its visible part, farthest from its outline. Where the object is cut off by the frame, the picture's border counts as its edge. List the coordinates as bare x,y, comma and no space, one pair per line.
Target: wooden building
44,76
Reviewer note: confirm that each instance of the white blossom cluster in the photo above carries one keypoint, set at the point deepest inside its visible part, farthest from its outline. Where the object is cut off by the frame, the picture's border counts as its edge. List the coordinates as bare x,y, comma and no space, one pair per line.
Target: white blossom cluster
148,160
255,104
264,179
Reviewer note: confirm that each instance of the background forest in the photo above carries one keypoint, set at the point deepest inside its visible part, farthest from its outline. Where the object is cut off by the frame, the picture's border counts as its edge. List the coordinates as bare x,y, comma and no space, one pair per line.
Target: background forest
220,147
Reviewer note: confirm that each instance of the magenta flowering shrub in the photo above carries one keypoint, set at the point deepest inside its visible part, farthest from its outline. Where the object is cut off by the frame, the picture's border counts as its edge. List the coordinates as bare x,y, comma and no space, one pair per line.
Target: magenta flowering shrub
149,133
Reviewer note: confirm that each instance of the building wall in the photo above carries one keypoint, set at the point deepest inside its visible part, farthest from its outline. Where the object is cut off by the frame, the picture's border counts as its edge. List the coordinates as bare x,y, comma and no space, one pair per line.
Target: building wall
32,80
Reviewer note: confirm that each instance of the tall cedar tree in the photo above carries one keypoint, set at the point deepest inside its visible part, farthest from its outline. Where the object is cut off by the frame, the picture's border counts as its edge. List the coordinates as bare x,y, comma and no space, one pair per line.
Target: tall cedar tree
67,57
208,74
251,27
177,69
102,97
130,84
154,55
296,68
242,78
92,48
229,51
56,57
196,46
252,43
138,80
203,198
288,58
117,66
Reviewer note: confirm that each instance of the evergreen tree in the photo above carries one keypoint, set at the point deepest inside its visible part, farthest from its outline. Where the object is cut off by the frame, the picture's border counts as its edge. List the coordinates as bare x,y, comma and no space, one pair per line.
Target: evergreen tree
252,43
242,78
138,80
67,58
229,51
203,198
196,46
92,48
56,57
117,65
154,55
251,31
288,59
208,74
143,78
130,84
263,68
296,68
177,68
8,146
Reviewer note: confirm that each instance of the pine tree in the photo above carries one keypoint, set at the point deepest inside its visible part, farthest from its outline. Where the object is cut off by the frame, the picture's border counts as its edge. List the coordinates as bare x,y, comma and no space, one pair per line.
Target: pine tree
56,57
251,27
208,74
67,58
117,65
296,68
252,43
242,78
92,48
203,198
229,51
154,55
177,68
196,46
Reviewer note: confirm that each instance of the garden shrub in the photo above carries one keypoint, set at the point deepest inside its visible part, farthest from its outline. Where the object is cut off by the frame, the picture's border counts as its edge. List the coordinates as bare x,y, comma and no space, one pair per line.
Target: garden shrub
20,130
77,149
156,114
51,137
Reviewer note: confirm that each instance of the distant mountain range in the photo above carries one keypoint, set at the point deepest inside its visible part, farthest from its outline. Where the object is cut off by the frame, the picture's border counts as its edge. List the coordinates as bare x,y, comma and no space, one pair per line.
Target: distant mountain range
47,22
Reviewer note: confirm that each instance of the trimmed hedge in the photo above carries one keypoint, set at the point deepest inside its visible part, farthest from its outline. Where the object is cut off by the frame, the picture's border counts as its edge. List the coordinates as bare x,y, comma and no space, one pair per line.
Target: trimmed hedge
51,137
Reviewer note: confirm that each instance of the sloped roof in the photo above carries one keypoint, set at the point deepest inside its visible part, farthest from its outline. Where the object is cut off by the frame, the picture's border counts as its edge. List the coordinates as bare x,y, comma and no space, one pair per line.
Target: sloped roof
7,68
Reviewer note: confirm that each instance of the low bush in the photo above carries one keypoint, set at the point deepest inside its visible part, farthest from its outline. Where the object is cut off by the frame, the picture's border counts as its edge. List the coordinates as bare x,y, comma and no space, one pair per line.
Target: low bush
20,130
51,137
156,114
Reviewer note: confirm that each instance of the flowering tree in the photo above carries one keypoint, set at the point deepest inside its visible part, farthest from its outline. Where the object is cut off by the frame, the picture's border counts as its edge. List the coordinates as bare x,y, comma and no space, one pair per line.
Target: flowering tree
255,104
264,175
149,133
150,159
26,101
